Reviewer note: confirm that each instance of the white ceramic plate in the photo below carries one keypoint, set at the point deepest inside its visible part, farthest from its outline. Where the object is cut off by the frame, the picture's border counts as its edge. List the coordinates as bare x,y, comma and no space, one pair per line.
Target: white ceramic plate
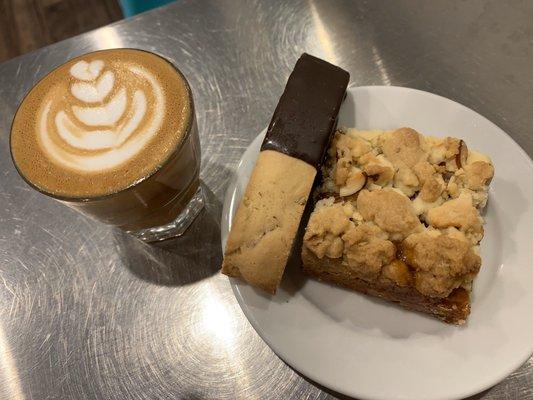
370,349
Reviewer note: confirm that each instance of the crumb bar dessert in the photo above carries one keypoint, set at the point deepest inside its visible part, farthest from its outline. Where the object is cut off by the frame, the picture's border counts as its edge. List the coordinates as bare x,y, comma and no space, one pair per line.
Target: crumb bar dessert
398,218
267,220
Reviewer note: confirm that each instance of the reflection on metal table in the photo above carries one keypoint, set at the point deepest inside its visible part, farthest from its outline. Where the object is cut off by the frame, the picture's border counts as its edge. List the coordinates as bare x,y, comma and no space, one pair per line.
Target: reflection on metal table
89,312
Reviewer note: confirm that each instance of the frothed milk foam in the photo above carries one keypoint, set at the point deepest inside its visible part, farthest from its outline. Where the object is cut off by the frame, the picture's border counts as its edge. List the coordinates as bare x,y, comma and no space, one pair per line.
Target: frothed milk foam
100,123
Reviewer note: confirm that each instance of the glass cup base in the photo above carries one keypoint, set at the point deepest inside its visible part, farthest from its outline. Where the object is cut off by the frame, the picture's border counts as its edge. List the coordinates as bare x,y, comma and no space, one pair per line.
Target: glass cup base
178,226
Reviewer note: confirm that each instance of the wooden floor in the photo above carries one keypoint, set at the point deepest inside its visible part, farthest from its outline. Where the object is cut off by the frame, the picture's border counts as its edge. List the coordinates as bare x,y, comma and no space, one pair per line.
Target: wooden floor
27,25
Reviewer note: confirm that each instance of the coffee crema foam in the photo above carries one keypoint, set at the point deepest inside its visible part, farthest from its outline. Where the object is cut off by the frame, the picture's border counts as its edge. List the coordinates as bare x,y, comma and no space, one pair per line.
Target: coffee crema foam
100,122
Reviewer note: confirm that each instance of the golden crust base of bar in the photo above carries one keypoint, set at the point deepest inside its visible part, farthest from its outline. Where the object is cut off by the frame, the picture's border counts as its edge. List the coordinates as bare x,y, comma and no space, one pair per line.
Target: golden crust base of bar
453,309
267,220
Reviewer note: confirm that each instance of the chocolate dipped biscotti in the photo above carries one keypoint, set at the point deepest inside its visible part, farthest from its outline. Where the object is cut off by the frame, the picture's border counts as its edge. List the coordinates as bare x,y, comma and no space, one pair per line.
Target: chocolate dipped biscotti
268,217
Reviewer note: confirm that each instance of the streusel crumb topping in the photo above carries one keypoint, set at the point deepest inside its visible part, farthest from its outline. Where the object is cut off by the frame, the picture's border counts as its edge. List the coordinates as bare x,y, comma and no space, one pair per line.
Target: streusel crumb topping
402,207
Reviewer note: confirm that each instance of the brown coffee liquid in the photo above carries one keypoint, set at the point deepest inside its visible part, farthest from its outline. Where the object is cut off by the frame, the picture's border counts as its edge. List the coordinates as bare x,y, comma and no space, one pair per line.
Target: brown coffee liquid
112,134
157,200
100,123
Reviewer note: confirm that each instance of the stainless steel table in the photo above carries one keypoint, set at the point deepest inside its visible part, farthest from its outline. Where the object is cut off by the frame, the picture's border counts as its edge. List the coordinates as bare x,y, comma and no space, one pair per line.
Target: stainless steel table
89,313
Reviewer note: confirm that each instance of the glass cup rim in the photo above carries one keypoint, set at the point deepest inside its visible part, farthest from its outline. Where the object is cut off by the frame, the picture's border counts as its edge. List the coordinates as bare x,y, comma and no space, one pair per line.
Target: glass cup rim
75,199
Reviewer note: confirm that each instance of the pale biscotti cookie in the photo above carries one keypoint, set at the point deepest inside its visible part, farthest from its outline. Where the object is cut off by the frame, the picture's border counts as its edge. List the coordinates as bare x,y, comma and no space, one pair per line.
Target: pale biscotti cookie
268,218
399,219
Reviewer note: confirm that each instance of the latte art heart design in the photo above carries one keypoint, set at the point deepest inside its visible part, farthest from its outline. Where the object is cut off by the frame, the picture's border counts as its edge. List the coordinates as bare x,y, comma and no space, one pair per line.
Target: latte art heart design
108,120
87,71
94,92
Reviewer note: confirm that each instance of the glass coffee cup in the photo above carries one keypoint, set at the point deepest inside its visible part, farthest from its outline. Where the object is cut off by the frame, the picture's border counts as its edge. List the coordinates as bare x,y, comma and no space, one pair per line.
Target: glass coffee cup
113,135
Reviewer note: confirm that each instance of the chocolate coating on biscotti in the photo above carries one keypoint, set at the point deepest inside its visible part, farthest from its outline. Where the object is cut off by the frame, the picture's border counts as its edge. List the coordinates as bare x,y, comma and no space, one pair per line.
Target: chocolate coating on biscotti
306,114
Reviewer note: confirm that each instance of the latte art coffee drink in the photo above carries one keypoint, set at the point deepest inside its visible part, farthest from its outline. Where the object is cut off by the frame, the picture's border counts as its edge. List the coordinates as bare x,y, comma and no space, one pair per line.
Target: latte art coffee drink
113,134
99,123
106,118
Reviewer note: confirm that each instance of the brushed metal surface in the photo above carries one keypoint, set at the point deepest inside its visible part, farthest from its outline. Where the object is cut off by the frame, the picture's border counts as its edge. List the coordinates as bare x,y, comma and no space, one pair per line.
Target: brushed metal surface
87,312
